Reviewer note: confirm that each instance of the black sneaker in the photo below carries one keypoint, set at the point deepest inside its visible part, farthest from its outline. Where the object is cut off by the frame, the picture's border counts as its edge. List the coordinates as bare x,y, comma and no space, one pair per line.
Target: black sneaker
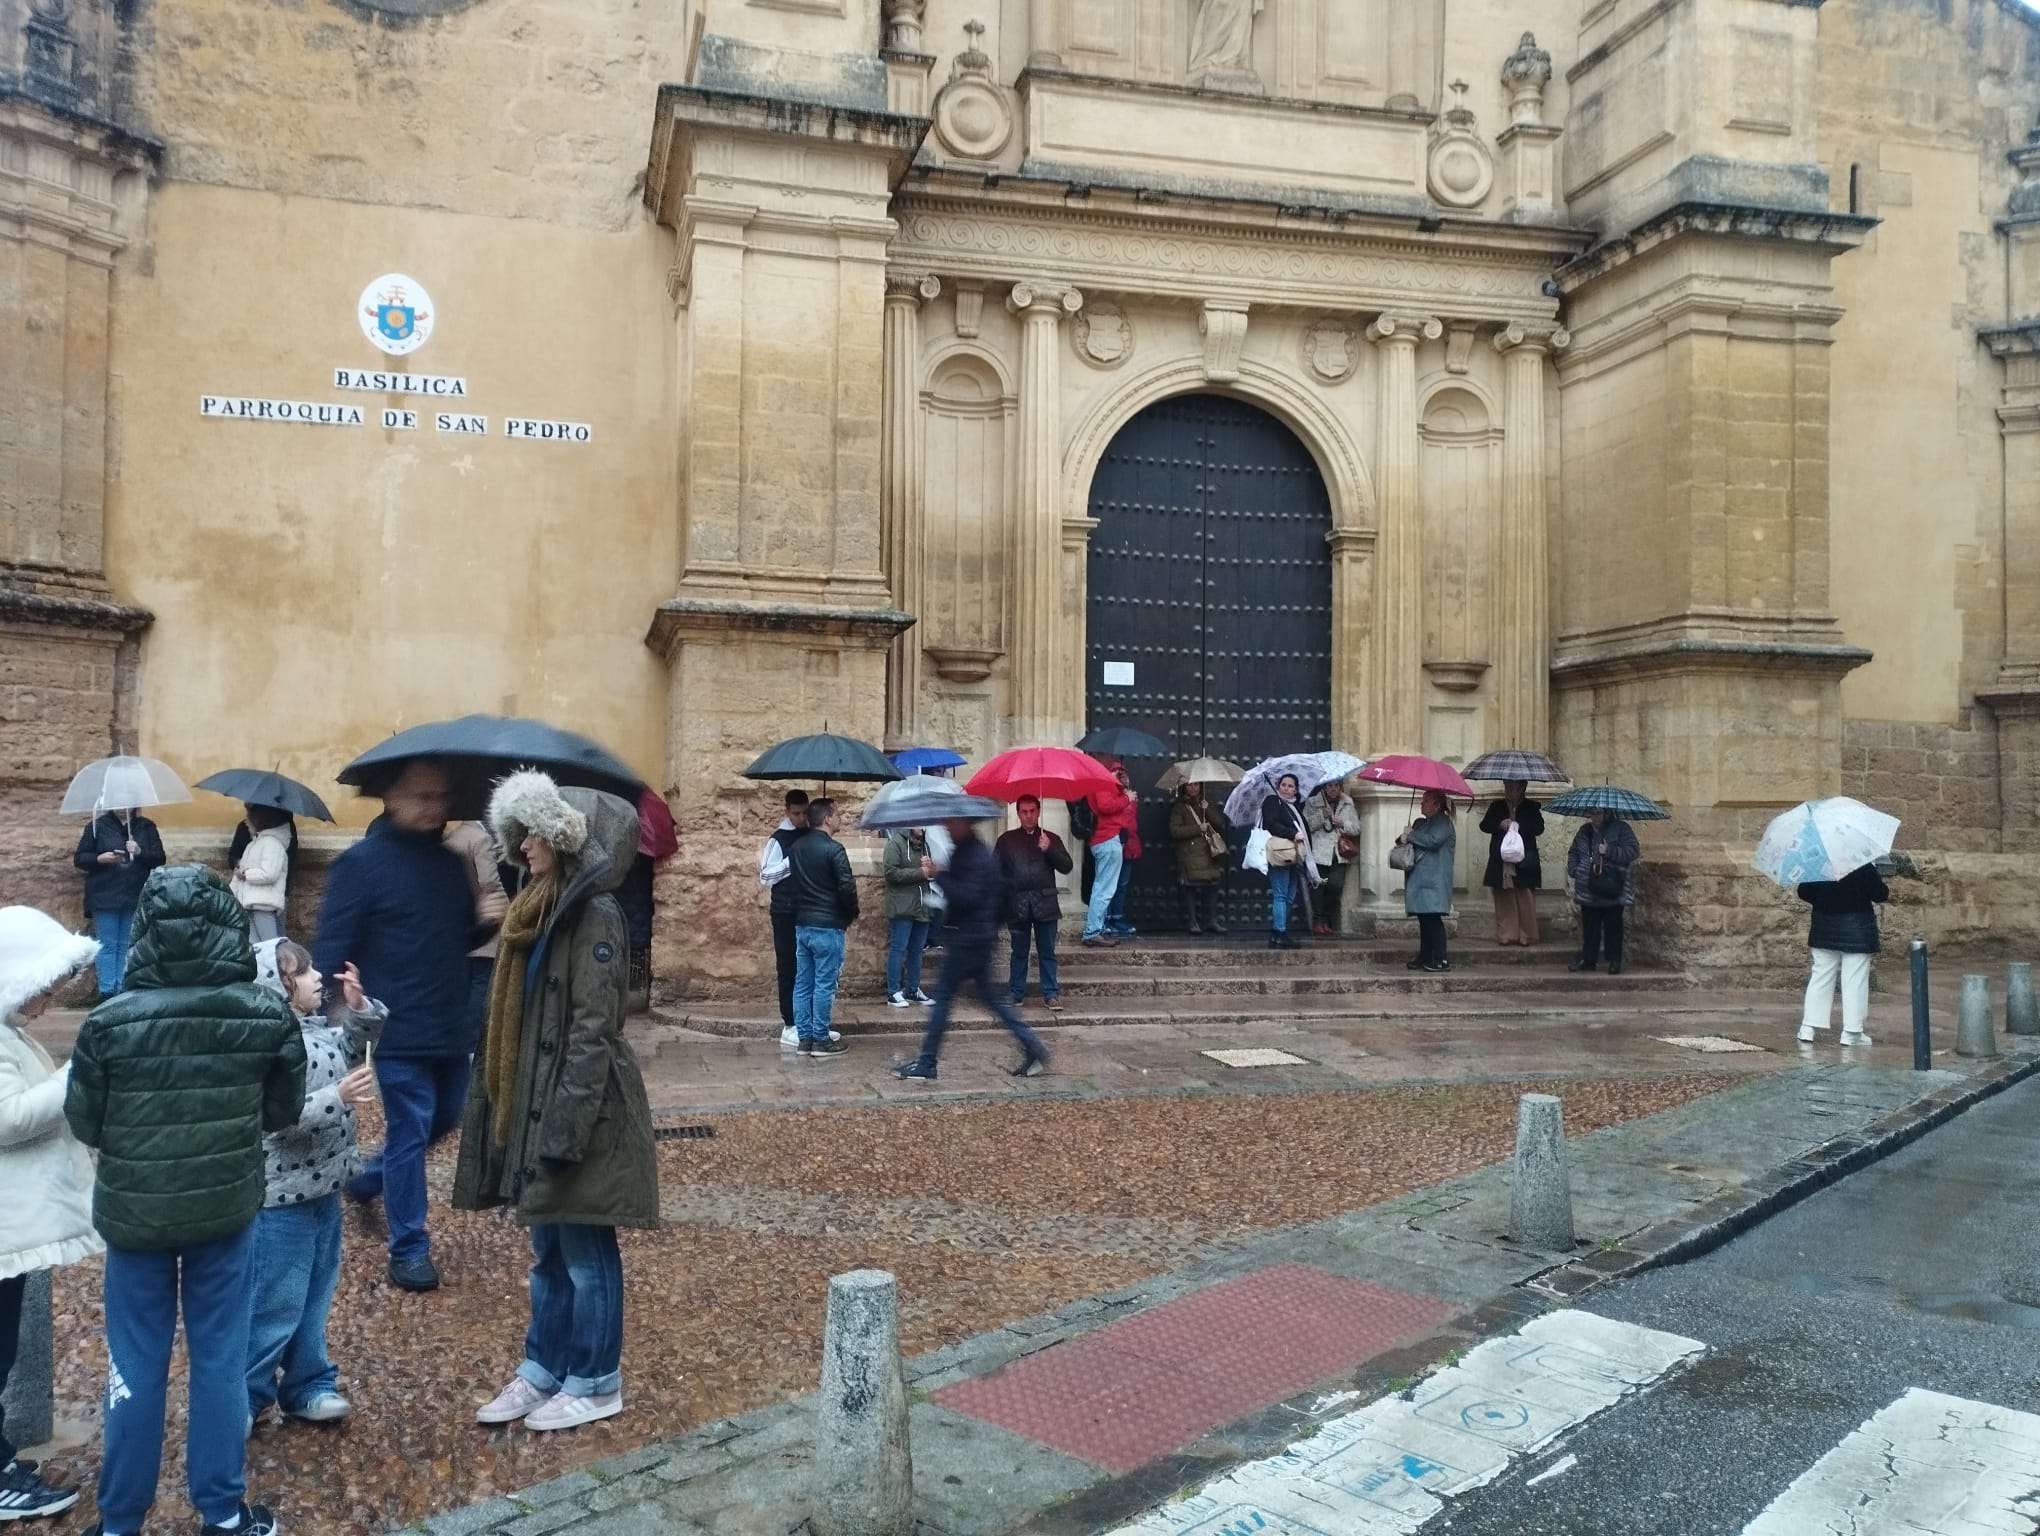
25,1496
822,1047
914,1069
414,1274
256,1520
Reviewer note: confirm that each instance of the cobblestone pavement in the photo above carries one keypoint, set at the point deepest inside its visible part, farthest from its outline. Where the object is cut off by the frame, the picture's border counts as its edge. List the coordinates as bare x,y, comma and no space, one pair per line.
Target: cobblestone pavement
991,1199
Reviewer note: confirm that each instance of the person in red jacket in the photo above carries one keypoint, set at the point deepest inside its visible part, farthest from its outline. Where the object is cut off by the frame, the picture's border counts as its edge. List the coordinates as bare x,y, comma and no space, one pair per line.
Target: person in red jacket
1113,843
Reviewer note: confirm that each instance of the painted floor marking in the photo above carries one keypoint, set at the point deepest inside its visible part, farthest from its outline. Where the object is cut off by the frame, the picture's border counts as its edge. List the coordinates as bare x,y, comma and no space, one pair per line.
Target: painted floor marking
1385,1469
1257,1056
1709,1044
1927,1463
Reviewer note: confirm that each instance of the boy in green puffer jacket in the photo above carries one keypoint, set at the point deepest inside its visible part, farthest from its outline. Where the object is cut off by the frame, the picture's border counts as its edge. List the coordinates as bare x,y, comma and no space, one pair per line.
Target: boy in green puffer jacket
175,1081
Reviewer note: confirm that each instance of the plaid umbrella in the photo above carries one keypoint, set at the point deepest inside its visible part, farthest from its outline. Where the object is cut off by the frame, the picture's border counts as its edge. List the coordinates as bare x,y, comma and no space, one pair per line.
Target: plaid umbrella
1513,763
1626,803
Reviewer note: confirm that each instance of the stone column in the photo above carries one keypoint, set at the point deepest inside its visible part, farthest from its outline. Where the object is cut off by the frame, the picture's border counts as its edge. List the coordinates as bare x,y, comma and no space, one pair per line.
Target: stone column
1398,558
1038,706
1043,40
899,479
1523,581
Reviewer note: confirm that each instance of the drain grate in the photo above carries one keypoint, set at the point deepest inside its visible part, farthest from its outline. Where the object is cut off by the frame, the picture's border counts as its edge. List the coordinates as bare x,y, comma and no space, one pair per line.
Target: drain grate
1709,1044
1259,1056
682,1132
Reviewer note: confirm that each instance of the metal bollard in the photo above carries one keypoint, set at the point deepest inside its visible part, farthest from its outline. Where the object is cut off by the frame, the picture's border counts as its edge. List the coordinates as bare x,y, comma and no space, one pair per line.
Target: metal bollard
30,1399
1923,1042
864,1466
1973,1033
1540,1179
2022,1015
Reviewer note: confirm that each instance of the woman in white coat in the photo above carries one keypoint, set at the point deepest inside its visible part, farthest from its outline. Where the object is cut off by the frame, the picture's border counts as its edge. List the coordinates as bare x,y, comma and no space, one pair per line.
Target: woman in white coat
46,1217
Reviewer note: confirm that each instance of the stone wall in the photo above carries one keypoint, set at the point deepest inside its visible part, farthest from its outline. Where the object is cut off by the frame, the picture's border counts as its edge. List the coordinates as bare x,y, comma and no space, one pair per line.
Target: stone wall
1940,781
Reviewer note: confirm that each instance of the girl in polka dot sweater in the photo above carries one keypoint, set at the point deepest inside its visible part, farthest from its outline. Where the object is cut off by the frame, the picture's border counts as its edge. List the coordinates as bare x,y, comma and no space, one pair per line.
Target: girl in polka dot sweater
297,1236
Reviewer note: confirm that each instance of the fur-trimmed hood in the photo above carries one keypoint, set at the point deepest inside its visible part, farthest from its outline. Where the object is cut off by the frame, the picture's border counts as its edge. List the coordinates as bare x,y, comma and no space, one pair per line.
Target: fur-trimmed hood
36,953
595,834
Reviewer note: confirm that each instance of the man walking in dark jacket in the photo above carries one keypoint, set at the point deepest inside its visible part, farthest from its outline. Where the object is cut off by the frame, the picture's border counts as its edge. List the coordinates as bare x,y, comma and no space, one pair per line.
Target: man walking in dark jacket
824,905
1030,857
398,907
976,896
174,1082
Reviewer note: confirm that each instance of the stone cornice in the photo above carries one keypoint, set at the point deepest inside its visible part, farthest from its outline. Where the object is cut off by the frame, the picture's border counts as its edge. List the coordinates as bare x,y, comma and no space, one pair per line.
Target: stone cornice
1355,267
2019,339
1830,233
71,612
683,618
1767,648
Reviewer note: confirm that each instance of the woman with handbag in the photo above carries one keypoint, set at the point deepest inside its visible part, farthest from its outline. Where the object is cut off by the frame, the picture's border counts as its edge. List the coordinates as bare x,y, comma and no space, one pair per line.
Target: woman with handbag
1198,832
1287,847
1424,854
1334,822
1600,868
1513,825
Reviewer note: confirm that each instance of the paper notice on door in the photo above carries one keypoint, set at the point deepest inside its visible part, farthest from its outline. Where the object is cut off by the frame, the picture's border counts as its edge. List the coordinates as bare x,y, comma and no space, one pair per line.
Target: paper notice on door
1118,674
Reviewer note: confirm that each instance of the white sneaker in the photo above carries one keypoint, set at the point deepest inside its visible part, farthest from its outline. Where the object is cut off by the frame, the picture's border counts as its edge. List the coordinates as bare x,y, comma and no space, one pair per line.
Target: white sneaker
326,1408
919,997
789,1039
833,1036
1806,1033
1855,1037
897,1000
565,1412
516,1400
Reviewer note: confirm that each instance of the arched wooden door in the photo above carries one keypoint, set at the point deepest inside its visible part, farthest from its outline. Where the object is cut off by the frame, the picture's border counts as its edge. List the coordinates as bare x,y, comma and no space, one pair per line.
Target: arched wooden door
1209,612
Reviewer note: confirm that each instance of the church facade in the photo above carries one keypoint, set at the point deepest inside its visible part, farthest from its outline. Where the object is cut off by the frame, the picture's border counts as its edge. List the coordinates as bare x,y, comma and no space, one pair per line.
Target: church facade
1655,383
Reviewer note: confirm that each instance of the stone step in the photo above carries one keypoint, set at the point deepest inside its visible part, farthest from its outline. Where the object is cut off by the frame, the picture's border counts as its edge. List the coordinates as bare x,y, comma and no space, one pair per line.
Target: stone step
1325,980
1167,953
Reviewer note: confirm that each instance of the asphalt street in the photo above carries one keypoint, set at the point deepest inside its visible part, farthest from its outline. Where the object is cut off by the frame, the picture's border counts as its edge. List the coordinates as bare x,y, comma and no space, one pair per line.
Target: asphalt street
1920,1272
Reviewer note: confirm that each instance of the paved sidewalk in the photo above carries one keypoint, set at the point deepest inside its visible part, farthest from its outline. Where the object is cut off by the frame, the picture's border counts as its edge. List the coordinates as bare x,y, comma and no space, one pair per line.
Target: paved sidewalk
1071,1422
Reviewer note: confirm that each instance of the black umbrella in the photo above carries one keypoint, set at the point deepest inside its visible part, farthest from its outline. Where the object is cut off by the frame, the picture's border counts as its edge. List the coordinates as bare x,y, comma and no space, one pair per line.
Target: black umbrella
476,750
259,786
1123,741
824,757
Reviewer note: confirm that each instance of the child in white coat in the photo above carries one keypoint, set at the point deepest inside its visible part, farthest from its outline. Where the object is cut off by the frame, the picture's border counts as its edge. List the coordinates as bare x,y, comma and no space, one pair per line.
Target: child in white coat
262,877
46,1214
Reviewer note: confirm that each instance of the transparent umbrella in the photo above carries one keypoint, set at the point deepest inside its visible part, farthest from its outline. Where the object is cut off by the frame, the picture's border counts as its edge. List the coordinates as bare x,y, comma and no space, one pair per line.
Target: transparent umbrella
122,784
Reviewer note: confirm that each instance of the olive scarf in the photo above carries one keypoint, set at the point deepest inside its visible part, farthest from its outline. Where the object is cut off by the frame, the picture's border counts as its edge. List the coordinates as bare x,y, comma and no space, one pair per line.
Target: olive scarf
519,935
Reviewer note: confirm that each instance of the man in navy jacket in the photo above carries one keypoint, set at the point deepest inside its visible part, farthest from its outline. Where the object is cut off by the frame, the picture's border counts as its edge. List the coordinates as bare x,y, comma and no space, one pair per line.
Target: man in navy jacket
398,906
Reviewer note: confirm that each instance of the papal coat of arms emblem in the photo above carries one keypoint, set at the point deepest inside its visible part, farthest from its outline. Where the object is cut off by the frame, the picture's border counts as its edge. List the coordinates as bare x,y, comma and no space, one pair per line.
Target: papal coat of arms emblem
396,314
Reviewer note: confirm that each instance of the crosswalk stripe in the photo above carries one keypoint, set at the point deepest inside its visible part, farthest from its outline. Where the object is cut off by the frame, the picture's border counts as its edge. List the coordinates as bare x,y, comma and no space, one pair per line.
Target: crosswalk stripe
1383,1469
1928,1462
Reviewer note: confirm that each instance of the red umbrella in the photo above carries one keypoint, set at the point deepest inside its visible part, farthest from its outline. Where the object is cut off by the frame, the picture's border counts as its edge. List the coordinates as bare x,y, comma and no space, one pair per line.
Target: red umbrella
1051,773
1417,773
657,838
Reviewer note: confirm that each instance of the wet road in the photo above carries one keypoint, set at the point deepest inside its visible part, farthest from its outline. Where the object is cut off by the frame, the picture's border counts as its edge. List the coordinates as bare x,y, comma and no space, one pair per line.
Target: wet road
1922,1272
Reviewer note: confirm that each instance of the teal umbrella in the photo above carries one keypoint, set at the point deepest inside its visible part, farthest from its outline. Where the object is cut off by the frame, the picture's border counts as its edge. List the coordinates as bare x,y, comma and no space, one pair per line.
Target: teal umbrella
1626,803
825,757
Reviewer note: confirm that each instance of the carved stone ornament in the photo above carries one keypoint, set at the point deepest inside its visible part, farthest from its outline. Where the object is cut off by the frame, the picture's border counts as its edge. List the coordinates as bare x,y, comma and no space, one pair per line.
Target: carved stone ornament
1104,335
1224,329
957,664
1525,74
973,118
1332,350
970,308
1461,168
903,20
1222,46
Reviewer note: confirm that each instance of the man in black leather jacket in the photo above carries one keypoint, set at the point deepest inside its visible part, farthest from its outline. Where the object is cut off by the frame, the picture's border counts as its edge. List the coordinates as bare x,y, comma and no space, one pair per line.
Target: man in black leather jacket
824,904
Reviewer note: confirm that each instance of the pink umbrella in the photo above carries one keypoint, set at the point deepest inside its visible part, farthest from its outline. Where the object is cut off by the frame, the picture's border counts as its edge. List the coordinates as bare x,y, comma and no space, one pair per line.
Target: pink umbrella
1411,772
657,838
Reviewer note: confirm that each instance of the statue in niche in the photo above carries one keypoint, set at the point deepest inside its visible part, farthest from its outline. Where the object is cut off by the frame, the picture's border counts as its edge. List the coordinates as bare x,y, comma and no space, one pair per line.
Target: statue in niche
1222,45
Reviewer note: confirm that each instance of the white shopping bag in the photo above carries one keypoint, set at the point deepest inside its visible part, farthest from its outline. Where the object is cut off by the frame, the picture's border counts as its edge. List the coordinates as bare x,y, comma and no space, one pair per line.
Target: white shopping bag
1257,851
1512,847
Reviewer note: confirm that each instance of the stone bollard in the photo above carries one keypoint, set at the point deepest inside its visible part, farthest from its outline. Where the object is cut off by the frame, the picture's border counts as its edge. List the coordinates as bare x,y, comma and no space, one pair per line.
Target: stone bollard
1540,1180
864,1467
2022,1014
1973,1033
30,1400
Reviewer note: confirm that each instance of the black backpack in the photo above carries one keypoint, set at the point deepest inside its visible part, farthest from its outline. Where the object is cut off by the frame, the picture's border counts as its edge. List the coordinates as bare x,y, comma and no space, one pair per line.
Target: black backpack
1083,820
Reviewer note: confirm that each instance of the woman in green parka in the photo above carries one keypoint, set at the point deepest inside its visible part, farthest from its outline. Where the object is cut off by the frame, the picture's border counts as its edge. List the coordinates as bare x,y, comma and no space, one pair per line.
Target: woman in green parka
557,1123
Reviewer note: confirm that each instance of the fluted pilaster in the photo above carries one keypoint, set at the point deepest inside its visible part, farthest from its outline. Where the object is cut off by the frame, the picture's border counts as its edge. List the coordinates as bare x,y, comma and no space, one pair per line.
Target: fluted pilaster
1523,582
1399,559
899,482
1038,512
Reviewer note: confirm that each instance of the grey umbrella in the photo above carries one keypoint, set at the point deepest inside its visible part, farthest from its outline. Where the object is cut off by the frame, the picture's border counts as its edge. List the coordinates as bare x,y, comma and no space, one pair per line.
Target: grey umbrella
476,750
922,809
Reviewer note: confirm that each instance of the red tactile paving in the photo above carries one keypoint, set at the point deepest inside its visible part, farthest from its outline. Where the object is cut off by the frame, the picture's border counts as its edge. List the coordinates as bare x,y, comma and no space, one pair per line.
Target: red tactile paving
1138,1389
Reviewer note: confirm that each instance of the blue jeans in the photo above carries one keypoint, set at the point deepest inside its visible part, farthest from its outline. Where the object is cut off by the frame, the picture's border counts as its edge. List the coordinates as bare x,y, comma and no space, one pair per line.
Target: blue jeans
818,956
1043,935
1107,859
297,1265
113,930
1284,890
575,1341
903,955
1115,915
143,1287
12,1290
971,964
422,1100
